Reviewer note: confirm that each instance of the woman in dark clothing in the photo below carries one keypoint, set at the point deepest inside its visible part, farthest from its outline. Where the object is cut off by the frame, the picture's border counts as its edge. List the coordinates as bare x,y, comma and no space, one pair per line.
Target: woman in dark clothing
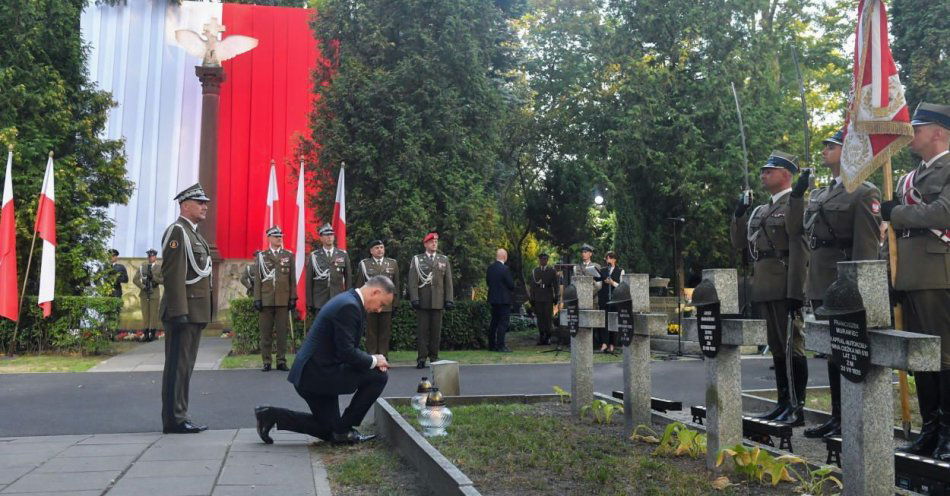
611,276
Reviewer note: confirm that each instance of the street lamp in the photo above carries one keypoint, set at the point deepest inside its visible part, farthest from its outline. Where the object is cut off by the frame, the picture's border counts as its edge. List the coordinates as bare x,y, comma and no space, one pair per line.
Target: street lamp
598,197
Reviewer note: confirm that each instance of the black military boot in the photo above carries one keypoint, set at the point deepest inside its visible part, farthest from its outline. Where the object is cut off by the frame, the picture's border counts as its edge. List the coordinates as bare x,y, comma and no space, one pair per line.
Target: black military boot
942,451
795,414
833,426
781,383
928,397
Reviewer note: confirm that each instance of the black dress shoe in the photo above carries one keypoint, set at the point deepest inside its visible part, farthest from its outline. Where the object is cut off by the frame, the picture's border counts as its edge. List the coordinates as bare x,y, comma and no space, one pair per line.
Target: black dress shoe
282,366
265,368
265,422
185,427
777,410
351,436
421,364
825,429
794,416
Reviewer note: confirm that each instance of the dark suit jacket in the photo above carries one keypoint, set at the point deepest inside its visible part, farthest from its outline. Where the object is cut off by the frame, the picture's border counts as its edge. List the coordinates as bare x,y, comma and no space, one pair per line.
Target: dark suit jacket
330,361
607,291
500,284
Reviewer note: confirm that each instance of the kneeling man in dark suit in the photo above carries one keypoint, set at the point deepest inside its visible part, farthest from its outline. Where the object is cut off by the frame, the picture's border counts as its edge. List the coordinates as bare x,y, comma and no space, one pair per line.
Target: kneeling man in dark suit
329,364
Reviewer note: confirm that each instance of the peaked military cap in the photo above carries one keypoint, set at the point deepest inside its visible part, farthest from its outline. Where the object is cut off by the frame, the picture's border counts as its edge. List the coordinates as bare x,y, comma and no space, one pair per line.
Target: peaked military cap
376,242
150,252
705,294
621,294
193,192
431,235
326,230
114,252
782,160
836,139
542,255
275,231
587,247
840,298
931,113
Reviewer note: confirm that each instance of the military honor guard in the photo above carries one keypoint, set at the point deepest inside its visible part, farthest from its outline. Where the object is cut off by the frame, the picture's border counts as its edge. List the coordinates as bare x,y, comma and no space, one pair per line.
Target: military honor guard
430,293
839,226
543,295
147,278
247,277
121,274
920,216
328,272
379,325
187,306
275,294
776,242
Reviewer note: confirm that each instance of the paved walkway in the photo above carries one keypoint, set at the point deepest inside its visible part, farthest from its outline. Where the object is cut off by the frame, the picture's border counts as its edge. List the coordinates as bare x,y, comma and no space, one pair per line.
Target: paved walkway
231,462
150,357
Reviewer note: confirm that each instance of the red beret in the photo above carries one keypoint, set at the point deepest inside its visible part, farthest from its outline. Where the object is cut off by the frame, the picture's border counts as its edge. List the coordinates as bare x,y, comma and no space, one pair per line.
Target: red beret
431,235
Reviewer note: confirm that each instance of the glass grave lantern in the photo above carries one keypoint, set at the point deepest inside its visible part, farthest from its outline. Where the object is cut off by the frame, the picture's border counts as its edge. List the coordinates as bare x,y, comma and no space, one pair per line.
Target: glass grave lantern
418,401
435,417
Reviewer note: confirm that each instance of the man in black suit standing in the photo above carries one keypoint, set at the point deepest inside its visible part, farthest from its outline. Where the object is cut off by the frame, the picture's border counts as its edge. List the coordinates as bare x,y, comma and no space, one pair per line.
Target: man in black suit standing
329,364
500,287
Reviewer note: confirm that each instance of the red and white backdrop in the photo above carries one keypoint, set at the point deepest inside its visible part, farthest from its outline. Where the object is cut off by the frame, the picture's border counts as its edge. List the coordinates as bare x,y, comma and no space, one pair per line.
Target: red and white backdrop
265,103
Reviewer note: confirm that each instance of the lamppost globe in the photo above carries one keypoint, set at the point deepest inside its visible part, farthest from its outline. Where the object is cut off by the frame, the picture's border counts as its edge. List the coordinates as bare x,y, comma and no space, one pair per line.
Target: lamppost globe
598,199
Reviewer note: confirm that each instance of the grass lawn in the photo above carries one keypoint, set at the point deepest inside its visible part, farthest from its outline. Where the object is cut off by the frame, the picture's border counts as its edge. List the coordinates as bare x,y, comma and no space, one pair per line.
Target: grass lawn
56,362
522,345
820,399
368,469
540,450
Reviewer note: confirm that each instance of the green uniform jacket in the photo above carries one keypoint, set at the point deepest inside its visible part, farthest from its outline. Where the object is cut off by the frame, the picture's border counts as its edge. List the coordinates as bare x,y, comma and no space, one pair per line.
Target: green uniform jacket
388,267
774,230
186,291
839,226
150,298
923,260
543,286
327,276
430,283
274,277
247,277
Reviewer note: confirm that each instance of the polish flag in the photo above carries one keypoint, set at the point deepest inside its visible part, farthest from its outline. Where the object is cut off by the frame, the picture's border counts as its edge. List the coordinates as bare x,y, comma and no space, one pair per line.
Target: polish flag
272,213
300,245
9,305
46,230
339,213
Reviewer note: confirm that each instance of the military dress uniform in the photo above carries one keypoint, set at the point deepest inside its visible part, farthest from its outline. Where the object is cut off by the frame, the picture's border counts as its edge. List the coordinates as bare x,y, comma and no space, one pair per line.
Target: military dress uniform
839,226
921,219
275,285
543,295
187,306
430,292
147,278
777,245
328,274
379,326
247,277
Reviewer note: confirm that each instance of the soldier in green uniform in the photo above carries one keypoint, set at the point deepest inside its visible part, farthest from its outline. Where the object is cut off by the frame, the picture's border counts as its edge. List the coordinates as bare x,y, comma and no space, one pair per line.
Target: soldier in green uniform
920,215
379,326
776,242
187,306
587,267
328,272
147,278
275,285
247,277
430,293
839,226
542,292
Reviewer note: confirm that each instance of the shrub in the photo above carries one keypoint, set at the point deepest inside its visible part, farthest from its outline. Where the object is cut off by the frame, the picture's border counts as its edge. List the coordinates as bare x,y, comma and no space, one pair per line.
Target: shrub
82,324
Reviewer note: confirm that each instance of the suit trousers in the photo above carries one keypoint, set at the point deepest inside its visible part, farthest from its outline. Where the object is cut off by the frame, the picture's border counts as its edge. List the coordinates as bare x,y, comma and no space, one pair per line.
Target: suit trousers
324,418
428,334
181,350
498,327
273,320
543,311
928,312
775,314
379,331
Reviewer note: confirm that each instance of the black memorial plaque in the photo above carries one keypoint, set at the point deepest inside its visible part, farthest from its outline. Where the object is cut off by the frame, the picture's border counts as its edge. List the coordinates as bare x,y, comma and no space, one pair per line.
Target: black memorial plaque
850,348
572,318
625,322
709,323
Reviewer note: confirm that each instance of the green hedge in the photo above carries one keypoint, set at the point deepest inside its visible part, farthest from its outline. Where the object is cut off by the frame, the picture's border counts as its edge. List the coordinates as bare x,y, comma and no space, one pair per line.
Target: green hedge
463,328
82,324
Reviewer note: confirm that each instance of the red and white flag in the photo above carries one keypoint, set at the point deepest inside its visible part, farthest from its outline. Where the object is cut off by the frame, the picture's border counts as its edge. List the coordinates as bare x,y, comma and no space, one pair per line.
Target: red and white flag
300,244
9,304
46,230
272,214
878,123
339,213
